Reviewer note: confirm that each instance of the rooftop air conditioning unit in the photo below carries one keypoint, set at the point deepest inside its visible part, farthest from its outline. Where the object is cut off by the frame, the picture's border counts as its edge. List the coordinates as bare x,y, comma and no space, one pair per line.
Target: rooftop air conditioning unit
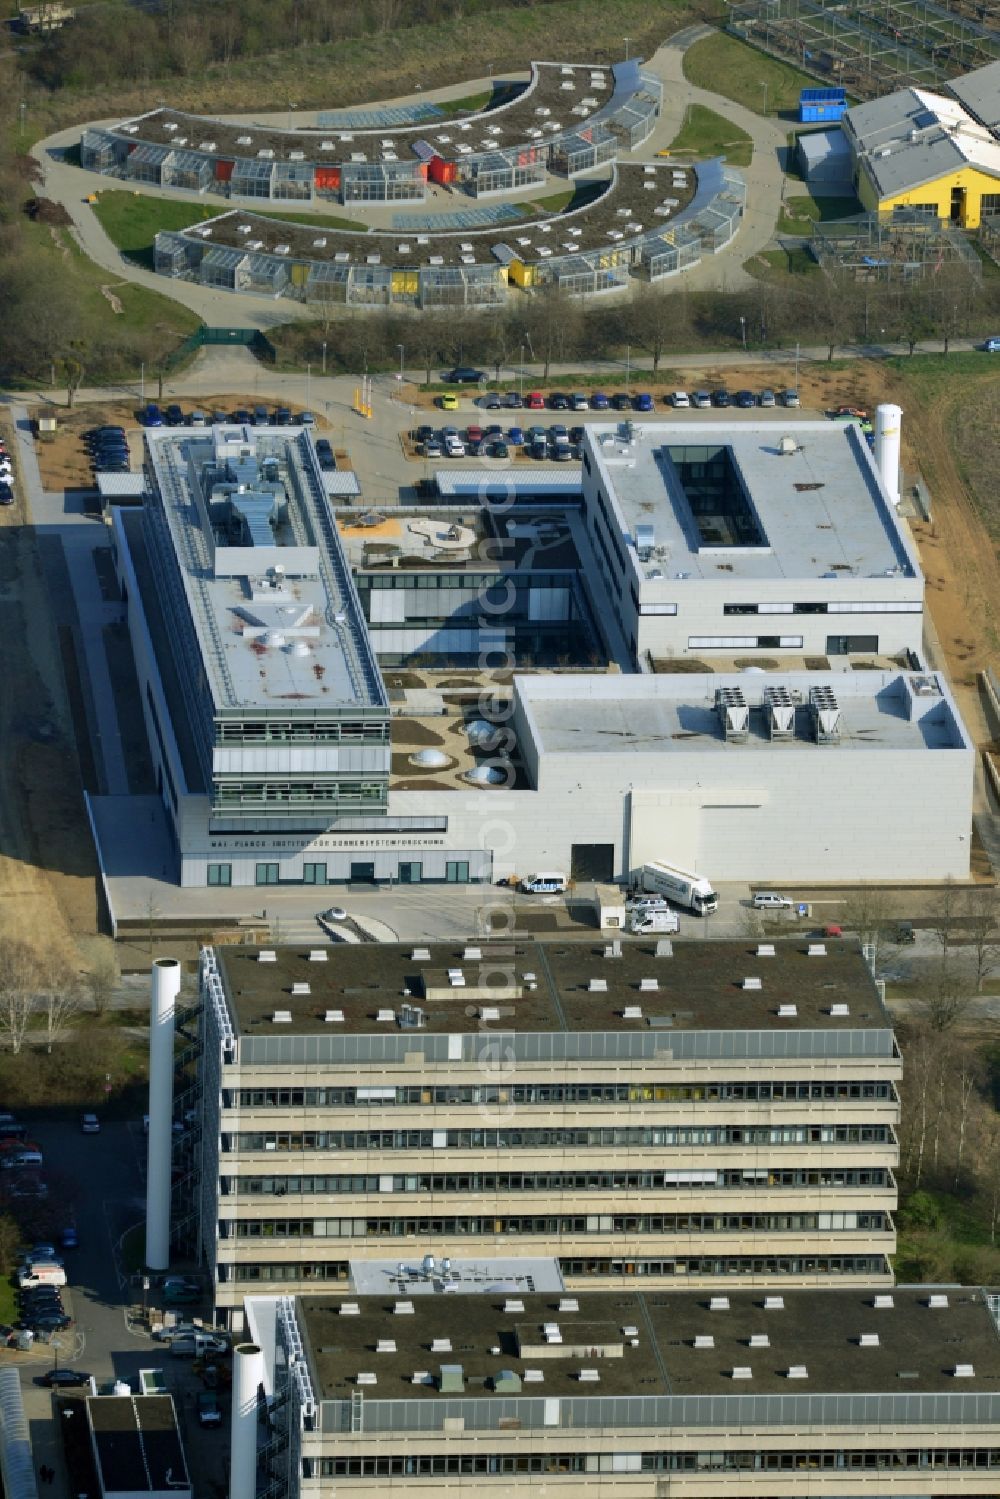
733,712
779,713
824,714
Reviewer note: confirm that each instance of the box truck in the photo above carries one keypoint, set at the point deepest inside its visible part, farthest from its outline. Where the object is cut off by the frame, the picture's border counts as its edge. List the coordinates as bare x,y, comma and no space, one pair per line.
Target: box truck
680,886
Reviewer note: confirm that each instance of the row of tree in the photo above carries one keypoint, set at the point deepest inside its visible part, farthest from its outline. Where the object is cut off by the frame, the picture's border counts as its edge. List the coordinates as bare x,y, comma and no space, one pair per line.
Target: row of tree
658,323
43,989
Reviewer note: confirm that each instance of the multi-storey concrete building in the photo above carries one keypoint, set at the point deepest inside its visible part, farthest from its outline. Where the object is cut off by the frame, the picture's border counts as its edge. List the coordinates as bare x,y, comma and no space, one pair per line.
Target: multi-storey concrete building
719,1113
844,1393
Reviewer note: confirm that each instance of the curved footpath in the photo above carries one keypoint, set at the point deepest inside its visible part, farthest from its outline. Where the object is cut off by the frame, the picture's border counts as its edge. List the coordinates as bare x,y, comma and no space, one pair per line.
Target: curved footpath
70,186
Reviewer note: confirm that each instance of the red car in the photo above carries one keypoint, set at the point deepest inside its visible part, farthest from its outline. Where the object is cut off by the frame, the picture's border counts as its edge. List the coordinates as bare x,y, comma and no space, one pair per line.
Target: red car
473,434
535,401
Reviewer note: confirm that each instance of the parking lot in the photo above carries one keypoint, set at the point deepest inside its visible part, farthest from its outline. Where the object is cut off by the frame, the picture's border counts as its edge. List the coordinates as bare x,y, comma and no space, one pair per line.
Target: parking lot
98,1179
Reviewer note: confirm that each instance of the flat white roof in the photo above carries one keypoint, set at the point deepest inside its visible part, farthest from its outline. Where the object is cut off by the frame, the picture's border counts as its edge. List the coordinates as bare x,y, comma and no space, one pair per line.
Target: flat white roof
819,512
675,714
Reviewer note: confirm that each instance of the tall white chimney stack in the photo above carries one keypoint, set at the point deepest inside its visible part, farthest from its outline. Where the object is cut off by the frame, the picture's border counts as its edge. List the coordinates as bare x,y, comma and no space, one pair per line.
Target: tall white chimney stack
888,421
248,1376
166,985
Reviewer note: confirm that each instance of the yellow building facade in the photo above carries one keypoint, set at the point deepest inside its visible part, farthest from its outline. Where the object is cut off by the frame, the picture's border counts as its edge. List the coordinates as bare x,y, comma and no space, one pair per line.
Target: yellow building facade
961,197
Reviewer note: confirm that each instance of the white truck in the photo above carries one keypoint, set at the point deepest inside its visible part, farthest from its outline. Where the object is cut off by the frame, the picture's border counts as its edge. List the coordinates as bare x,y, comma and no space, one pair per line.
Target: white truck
680,886
642,920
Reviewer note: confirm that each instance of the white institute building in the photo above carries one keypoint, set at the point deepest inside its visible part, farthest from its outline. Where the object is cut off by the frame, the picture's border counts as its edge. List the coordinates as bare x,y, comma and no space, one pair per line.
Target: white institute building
269,722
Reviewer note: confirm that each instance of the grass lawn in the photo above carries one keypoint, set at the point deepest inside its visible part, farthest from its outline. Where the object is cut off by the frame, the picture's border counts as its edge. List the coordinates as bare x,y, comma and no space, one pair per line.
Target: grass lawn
131,220
8,1303
471,104
773,265
800,213
704,133
733,68
56,255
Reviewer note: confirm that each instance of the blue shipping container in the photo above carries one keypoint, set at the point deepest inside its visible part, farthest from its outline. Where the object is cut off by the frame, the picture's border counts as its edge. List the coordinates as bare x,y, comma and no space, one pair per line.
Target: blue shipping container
817,105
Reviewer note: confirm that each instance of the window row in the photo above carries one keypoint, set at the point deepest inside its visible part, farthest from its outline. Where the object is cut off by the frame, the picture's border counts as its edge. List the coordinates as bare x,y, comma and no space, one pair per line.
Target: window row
274,731
744,642
549,1093
849,606
716,1266
547,1181
591,1223
804,1460
536,1139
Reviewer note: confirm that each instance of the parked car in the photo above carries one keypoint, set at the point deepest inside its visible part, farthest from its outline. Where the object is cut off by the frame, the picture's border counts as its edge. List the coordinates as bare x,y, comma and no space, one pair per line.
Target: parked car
540,450
152,416
579,402
209,1413
449,401
558,432
64,1377
576,434
180,1290
790,398
174,415
260,417
621,401
48,1321
90,1124
464,374
767,398
680,400
69,1238
745,399
516,437
770,900
701,400
219,419
991,345
498,450
599,401
644,401
242,416
720,398
282,416
324,452
558,401
6,494
492,401
307,419
455,448
904,933
536,401
513,400
563,452
432,448
197,419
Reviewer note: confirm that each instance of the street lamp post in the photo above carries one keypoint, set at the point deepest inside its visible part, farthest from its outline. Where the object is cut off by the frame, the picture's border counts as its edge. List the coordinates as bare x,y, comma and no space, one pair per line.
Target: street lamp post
743,331
626,40
401,353
308,384
628,366
324,356
763,84
797,346
520,378
142,384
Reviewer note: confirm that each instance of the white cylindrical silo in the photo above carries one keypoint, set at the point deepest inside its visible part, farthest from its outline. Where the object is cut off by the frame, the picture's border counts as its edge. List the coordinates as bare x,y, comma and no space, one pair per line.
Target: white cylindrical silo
166,985
248,1376
888,422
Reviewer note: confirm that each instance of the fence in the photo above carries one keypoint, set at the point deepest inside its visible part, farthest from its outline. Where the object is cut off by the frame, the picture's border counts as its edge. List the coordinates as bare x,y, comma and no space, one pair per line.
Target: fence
249,338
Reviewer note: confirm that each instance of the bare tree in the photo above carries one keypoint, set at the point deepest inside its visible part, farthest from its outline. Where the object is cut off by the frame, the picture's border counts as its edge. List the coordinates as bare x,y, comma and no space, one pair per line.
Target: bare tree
969,1076
945,917
58,997
866,911
18,988
946,997
102,975
981,920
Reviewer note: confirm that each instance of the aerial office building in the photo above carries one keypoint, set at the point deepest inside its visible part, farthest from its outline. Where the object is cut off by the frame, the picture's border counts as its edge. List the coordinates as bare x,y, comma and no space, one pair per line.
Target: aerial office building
259,614
717,1114
499,1387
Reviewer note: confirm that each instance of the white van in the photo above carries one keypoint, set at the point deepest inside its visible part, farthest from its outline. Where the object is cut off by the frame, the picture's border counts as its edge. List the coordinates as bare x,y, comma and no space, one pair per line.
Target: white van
546,882
41,1273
